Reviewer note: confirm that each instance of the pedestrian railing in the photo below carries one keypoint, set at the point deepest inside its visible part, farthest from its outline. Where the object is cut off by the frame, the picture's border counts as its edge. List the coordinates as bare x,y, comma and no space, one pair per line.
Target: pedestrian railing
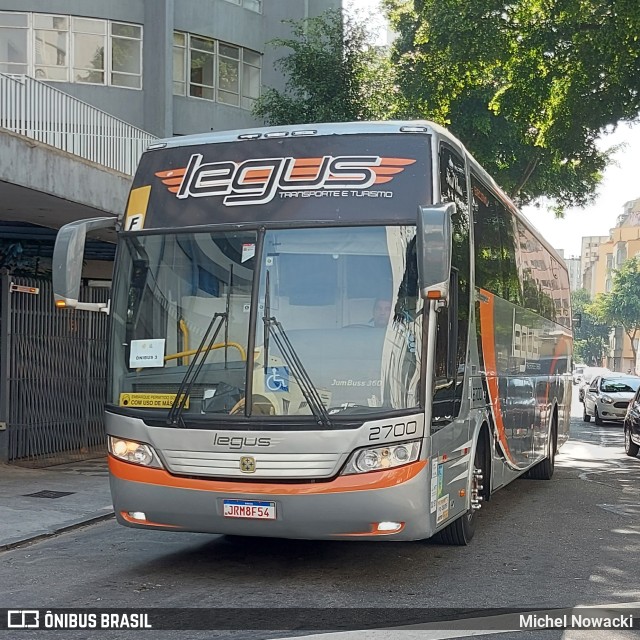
39,111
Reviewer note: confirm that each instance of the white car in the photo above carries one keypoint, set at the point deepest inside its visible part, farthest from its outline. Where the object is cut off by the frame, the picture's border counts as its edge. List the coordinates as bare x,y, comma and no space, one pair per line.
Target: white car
577,373
588,374
608,397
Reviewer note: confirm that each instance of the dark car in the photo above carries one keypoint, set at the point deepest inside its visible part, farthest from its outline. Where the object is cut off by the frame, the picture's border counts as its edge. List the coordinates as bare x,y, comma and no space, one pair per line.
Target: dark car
632,427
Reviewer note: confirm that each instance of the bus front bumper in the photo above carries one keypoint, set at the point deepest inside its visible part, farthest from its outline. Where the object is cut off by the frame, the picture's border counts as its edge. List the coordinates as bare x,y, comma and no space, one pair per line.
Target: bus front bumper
383,505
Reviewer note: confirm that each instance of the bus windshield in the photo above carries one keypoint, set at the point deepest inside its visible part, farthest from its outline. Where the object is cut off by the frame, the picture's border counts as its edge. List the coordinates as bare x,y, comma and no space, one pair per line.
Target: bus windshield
339,320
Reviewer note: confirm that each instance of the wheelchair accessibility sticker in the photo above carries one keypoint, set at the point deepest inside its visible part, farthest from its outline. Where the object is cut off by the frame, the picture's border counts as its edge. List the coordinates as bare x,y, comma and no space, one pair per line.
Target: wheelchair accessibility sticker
276,378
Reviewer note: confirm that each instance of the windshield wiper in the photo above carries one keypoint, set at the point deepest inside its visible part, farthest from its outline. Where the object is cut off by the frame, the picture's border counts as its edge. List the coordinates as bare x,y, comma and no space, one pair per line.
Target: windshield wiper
274,328
193,370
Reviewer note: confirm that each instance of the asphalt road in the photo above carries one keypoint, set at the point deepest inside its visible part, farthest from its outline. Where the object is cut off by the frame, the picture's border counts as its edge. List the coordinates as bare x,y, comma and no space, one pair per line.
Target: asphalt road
572,541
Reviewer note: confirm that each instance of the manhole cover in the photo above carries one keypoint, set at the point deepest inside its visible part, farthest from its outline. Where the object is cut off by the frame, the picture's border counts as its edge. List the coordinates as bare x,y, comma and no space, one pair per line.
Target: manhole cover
49,494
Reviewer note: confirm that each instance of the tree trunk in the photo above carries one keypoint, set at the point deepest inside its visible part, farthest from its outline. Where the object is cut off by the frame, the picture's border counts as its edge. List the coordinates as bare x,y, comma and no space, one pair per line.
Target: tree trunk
528,172
632,337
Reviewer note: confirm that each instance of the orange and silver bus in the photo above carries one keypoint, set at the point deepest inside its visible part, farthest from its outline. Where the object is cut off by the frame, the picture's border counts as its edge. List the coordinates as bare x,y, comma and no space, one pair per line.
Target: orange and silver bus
329,331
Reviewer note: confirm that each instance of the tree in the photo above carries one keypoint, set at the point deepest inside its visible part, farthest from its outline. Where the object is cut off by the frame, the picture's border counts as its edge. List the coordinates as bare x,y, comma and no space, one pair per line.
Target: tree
621,306
527,85
333,74
591,338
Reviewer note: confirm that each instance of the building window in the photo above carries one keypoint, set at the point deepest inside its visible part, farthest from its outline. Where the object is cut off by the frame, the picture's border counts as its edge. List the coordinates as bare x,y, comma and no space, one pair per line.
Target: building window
621,254
89,48
217,71
126,55
71,49
202,65
179,63
228,74
251,64
14,36
51,47
252,5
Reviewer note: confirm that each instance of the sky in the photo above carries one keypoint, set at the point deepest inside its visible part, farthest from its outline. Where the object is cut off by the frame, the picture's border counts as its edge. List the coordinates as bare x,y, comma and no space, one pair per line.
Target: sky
620,184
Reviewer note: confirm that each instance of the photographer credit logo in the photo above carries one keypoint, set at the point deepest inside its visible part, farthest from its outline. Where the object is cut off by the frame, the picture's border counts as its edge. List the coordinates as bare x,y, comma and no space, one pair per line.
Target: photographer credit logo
23,619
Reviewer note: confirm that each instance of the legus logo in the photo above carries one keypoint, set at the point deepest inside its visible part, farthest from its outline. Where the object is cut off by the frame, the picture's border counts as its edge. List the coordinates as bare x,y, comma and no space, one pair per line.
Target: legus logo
258,181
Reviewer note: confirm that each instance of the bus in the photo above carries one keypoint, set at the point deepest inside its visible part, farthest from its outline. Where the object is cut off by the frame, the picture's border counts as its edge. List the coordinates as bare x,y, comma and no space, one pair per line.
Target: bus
329,331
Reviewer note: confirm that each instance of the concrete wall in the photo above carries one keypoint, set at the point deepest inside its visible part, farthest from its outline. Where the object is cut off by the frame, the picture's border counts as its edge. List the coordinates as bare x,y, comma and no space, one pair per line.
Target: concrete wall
57,187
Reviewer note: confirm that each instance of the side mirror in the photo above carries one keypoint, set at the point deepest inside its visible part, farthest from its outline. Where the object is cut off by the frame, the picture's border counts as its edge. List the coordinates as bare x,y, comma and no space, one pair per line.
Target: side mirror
433,244
67,263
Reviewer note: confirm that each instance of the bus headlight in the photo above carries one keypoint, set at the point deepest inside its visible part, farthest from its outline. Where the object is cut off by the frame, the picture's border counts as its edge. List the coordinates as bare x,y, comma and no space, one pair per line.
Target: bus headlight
381,458
134,452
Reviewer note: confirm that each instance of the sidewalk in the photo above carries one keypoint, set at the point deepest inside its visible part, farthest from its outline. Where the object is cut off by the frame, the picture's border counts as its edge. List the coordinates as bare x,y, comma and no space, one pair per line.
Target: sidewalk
35,503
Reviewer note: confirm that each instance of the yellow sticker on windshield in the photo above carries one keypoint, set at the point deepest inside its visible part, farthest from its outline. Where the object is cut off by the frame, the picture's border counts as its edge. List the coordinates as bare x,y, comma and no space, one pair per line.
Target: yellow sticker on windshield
149,400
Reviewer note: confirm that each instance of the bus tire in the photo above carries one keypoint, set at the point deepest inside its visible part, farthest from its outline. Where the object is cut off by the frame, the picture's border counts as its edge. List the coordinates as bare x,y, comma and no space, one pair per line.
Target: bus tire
544,469
461,531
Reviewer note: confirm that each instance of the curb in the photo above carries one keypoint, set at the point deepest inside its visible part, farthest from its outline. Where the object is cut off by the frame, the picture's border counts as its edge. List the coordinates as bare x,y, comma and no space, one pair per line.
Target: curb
68,525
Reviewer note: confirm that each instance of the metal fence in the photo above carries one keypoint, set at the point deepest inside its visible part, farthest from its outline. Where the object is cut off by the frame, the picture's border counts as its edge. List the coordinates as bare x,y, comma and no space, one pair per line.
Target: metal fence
52,375
41,112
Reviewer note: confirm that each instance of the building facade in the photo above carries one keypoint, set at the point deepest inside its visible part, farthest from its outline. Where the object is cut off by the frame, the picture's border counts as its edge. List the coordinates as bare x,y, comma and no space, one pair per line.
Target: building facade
588,262
573,266
169,67
622,243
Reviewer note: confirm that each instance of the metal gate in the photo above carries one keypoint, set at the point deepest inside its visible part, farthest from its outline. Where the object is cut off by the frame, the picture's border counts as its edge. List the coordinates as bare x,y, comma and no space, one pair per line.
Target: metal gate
52,375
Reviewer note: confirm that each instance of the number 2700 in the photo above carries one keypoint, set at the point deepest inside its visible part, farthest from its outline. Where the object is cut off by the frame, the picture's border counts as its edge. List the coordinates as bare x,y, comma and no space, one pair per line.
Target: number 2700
393,430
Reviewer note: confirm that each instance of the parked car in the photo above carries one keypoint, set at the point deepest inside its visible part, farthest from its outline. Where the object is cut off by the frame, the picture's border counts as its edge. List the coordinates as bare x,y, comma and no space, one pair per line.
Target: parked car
578,370
588,374
632,427
608,398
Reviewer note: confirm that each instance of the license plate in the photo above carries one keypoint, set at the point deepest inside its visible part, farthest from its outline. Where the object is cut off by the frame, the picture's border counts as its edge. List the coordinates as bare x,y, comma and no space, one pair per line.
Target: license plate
249,509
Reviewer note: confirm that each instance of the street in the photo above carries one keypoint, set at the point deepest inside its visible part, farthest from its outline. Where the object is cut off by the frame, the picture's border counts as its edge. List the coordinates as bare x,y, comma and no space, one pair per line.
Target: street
572,541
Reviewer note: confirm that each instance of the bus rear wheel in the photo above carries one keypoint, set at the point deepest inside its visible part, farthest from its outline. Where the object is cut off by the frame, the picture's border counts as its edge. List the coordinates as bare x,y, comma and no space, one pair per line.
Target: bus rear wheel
544,469
461,531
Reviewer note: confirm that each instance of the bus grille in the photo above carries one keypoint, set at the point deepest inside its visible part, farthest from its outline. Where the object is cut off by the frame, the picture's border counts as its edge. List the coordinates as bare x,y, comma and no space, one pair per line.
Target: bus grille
285,466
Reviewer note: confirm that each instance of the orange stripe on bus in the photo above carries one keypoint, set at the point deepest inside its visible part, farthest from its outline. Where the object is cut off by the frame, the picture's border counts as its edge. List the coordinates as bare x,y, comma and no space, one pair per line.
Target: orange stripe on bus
171,182
402,162
373,531
487,333
148,523
173,189
382,180
383,170
305,171
356,482
252,174
171,173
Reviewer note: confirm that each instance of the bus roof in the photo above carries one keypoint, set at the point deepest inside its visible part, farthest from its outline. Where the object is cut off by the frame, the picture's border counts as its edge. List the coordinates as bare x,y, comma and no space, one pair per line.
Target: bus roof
301,130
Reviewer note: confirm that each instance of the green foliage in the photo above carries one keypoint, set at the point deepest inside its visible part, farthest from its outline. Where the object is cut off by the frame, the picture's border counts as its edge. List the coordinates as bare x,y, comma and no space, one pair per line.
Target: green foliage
527,85
621,306
591,338
333,74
